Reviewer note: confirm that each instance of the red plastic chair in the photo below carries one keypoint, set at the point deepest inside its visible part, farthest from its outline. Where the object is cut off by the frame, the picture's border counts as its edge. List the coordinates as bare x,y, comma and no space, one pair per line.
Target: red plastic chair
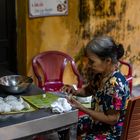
128,76
49,67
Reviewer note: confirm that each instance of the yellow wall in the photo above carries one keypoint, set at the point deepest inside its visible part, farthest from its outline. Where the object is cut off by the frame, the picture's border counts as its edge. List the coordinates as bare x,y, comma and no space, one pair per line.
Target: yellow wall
46,33
120,19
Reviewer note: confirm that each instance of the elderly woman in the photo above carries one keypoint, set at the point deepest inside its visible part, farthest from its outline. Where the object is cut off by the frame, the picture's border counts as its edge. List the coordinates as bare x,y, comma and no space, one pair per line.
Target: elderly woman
109,90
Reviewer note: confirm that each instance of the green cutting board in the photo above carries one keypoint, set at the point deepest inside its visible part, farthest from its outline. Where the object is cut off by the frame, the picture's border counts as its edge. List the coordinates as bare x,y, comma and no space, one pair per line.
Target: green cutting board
40,102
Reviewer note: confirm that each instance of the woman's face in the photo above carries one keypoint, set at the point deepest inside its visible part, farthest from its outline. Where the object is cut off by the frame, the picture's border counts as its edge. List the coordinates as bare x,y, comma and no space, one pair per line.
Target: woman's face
96,64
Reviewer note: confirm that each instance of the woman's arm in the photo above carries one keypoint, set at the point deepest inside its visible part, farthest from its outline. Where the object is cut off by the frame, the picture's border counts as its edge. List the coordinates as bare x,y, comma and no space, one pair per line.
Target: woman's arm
109,118
80,92
102,117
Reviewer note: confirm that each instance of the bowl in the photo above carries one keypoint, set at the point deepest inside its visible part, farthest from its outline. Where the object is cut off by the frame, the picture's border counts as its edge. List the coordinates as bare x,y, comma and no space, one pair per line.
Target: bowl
15,83
84,99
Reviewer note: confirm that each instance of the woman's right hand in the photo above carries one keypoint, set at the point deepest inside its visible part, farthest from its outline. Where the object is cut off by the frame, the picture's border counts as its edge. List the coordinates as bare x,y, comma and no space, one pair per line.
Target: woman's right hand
73,101
68,89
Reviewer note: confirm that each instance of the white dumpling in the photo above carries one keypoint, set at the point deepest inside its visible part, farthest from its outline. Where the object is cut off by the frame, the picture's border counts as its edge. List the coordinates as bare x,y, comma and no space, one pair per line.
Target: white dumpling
1,98
17,106
26,105
10,97
1,101
4,108
10,102
1,108
21,100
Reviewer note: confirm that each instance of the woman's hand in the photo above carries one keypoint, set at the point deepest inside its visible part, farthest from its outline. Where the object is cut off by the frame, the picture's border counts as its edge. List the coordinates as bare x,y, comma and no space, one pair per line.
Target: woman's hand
75,103
73,90
68,89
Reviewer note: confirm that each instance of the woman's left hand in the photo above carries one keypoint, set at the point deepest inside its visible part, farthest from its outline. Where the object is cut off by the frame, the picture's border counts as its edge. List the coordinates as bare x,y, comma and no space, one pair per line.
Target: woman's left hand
75,103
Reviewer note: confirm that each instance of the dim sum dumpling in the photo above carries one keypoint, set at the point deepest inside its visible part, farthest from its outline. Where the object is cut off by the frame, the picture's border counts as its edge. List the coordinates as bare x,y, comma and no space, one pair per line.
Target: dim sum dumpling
1,98
10,97
21,100
26,105
5,108
1,101
16,106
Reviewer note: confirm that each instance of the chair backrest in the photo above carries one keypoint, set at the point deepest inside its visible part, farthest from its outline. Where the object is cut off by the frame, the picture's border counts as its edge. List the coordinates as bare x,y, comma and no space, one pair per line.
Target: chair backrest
49,68
128,75
131,130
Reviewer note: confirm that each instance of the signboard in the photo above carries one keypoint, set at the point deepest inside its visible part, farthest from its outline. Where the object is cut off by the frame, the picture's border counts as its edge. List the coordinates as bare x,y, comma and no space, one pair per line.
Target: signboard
40,8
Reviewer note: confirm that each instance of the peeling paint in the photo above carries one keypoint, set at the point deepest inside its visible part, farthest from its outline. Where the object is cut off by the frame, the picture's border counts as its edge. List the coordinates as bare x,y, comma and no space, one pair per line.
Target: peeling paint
112,7
84,13
112,17
99,6
105,27
104,8
129,26
123,9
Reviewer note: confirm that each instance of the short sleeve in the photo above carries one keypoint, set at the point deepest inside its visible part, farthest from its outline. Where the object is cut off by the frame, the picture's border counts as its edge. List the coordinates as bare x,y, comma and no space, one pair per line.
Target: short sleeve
117,94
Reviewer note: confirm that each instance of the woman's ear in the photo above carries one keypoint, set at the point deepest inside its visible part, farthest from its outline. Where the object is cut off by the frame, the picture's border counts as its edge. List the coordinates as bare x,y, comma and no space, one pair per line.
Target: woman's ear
108,60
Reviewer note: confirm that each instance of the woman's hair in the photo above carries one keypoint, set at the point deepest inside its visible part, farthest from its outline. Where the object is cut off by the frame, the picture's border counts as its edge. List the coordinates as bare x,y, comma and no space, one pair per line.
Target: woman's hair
105,47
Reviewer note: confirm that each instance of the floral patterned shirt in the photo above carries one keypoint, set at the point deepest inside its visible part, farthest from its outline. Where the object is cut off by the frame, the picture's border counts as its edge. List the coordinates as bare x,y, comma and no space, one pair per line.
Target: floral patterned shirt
112,96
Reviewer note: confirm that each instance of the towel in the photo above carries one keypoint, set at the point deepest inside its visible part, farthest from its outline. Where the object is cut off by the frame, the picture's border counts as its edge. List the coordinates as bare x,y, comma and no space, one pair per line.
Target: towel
61,105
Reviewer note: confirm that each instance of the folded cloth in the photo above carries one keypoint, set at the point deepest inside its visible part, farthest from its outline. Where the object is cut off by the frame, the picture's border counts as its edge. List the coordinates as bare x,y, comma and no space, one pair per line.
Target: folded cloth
61,105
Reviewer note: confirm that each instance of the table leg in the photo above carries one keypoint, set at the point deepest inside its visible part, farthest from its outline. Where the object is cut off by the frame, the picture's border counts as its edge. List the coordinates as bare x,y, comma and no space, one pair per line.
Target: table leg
69,133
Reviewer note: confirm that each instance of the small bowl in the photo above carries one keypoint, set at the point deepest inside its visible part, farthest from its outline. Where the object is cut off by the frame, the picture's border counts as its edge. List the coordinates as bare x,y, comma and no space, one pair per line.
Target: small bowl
15,83
84,99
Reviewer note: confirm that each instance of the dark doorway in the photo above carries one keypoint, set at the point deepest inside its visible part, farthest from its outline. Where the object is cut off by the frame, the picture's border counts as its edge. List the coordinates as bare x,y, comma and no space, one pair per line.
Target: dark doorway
8,35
